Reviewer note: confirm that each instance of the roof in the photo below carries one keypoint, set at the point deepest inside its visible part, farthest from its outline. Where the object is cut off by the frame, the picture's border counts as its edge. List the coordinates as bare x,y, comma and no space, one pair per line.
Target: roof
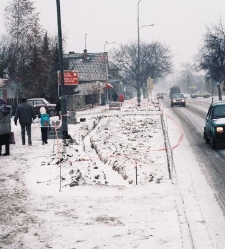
90,66
218,103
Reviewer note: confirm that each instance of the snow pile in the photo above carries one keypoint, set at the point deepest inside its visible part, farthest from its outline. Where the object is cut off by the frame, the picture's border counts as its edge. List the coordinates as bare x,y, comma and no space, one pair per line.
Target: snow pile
129,144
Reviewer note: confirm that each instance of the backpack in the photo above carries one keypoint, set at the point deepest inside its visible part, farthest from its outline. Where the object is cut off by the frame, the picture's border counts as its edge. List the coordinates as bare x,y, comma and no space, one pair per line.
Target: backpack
45,120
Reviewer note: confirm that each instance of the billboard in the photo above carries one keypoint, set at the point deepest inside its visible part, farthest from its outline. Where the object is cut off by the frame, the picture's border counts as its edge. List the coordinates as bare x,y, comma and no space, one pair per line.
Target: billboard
70,77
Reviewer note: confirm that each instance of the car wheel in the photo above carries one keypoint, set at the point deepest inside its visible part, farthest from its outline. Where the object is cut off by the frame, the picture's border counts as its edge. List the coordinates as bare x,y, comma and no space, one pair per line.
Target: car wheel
207,141
51,113
213,143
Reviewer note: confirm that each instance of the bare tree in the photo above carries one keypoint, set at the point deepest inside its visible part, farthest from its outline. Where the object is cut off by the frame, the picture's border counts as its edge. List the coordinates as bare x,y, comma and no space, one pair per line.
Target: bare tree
22,23
189,78
155,62
30,56
24,34
211,56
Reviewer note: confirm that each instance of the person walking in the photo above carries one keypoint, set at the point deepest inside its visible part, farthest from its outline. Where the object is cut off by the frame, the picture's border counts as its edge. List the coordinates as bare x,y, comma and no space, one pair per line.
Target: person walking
45,124
5,127
115,97
25,114
58,108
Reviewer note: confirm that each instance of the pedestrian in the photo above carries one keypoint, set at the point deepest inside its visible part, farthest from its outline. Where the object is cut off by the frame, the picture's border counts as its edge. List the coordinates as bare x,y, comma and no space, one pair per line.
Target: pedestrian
5,127
45,125
115,97
58,108
25,114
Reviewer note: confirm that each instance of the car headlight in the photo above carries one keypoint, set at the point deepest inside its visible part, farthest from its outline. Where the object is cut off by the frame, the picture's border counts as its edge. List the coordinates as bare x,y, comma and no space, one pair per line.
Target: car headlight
219,129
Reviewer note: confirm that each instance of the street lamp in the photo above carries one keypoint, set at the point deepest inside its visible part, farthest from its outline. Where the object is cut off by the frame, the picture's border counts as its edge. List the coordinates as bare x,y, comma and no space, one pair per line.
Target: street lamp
107,68
107,43
85,42
138,74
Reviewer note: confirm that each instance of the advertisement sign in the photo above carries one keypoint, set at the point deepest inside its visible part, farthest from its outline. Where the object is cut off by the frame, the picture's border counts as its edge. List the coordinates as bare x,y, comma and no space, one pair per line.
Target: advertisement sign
70,77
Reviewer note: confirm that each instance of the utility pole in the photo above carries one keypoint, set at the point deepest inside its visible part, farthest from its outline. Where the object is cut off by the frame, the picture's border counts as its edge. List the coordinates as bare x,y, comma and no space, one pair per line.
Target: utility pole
63,99
138,63
138,55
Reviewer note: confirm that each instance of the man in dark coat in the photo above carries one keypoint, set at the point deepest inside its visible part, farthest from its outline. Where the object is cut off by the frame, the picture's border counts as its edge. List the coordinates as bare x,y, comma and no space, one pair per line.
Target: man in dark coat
115,97
58,108
5,127
25,114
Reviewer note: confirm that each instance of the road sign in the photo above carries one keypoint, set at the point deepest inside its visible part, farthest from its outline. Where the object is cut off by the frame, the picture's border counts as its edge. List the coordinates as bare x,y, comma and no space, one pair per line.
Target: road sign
70,77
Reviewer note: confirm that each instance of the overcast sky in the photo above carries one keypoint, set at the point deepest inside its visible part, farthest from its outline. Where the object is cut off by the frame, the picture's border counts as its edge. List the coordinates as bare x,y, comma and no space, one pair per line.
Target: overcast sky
180,24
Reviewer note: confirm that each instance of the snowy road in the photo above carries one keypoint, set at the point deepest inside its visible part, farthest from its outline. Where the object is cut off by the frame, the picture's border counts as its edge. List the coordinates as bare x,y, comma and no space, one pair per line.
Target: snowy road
212,161
205,167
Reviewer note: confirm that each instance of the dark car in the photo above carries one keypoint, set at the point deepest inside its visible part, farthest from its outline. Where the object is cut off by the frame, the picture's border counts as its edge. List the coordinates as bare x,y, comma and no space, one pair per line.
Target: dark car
37,103
214,130
178,99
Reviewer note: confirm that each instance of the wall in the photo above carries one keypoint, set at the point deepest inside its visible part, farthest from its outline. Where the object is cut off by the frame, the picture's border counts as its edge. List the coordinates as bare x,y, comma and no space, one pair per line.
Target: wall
75,102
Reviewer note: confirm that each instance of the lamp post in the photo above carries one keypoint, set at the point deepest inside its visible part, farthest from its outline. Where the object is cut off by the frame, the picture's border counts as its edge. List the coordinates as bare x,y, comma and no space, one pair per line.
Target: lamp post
63,99
138,75
107,43
85,42
107,93
138,48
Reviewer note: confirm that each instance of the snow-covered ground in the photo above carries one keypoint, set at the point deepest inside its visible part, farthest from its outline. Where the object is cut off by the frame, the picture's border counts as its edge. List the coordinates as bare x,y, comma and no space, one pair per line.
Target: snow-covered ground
115,184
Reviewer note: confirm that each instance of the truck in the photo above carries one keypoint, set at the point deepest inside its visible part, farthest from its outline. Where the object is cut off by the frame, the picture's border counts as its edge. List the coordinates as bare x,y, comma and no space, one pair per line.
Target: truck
174,89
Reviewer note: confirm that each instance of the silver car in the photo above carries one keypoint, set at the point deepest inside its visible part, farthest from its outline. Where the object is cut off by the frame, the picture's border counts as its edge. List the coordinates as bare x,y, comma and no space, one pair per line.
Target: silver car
203,94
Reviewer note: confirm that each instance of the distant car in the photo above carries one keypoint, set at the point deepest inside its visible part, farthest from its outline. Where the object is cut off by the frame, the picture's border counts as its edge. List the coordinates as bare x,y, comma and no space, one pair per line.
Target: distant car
214,130
178,99
37,103
159,95
203,94
186,95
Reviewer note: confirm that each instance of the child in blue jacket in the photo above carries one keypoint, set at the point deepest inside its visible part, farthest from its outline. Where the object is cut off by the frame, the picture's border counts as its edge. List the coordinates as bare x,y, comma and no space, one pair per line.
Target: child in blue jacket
45,124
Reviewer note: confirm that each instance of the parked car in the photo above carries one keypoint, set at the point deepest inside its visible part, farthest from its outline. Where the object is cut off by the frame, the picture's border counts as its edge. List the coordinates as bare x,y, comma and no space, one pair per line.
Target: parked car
203,94
159,95
186,95
214,130
178,99
37,103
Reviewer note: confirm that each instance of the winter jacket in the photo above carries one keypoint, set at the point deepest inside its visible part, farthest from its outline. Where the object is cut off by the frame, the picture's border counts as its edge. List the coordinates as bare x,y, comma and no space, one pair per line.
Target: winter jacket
5,120
25,114
44,117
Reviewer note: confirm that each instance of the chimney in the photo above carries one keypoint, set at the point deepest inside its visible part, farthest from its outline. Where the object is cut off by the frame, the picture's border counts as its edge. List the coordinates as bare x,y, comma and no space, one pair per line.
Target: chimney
85,55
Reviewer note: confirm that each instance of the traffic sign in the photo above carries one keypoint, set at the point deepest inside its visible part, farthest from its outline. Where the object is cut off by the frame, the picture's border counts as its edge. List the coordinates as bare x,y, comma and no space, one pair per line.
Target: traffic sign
70,77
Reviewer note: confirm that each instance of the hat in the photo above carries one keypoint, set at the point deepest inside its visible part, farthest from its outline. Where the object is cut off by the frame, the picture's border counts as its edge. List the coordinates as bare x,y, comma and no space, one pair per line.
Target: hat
2,102
23,99
42,110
